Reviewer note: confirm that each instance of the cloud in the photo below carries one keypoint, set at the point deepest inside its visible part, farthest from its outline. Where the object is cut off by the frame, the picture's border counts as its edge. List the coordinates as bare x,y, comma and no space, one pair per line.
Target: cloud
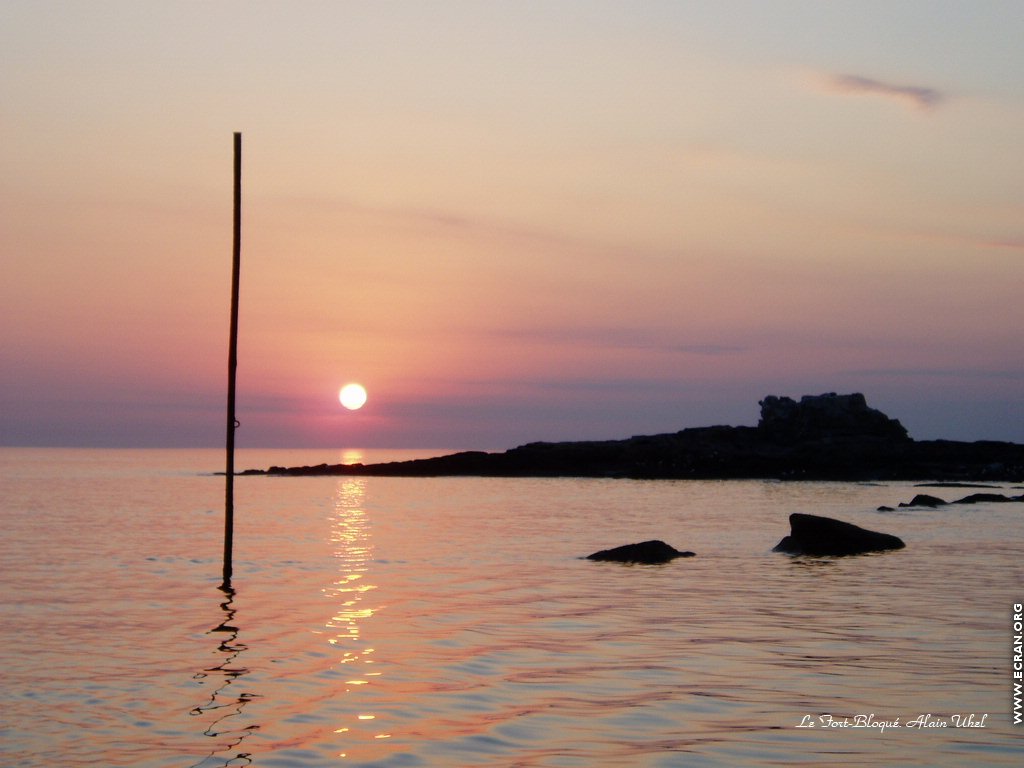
614,337
711,349
1013,243
955,373
979,240
917,96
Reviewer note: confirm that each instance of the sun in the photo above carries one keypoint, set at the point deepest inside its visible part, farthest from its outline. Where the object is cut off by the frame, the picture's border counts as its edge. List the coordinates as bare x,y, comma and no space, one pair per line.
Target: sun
352,396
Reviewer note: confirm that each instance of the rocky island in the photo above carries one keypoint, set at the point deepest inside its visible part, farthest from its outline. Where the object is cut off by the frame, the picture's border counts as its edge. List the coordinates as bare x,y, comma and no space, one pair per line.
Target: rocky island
819,437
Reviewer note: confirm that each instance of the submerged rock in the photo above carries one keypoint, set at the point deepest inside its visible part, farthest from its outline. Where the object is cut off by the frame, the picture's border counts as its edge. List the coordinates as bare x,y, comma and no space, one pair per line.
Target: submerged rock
815,535
979,498
923,500
646,552
954,485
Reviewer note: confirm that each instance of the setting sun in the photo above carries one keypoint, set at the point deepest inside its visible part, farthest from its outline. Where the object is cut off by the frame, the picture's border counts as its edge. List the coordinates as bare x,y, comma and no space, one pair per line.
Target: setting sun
352,396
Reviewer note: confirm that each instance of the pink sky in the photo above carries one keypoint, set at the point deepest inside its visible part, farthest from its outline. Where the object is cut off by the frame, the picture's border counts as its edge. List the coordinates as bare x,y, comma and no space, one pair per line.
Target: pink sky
579,220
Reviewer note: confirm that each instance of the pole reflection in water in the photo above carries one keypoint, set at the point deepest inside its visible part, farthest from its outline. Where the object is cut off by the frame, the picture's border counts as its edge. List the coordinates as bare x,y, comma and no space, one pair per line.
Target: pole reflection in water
350,534
223,702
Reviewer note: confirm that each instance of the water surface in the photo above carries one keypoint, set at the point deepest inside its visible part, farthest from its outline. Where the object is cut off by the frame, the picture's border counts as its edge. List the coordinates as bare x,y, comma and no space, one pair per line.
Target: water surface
451,621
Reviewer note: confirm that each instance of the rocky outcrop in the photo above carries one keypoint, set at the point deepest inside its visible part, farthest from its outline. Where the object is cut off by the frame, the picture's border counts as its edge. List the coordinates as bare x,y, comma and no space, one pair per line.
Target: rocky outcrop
820,437
924,500
646,552
821,536
829,416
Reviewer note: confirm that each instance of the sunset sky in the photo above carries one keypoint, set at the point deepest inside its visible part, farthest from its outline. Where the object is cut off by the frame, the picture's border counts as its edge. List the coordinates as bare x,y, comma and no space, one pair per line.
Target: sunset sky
510,221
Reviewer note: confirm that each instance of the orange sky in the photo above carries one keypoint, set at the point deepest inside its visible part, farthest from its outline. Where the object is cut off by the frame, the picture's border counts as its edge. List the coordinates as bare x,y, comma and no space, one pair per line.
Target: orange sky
509,223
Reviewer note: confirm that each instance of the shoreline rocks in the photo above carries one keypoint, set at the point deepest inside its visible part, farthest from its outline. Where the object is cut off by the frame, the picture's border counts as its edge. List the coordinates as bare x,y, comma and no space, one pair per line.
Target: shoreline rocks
924,500
819,437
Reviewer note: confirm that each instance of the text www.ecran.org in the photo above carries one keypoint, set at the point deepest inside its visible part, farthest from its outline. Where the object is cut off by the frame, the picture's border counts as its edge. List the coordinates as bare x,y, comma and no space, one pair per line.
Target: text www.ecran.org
1018,661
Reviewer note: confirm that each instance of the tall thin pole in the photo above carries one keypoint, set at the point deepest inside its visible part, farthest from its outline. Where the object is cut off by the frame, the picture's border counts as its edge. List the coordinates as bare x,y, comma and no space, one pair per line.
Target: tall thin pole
232,422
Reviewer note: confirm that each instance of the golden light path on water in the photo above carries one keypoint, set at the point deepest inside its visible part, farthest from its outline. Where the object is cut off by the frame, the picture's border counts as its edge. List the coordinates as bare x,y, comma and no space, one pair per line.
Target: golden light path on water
351,537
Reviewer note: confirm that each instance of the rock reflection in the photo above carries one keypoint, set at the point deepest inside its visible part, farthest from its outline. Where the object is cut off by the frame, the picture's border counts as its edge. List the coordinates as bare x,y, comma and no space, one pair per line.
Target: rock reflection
351,536
223,703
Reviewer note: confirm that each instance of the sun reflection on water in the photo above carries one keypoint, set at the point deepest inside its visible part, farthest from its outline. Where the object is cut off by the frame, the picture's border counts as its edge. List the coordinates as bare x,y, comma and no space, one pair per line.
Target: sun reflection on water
351,535
351,456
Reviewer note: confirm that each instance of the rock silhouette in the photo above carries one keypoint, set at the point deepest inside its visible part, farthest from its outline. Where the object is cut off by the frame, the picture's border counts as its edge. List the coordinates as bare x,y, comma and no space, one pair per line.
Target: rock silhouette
924,500
826,416
819,437
981,498
645,552
815,535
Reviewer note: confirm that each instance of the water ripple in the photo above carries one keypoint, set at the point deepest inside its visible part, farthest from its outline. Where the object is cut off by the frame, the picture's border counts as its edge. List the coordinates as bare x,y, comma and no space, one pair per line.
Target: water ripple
450,622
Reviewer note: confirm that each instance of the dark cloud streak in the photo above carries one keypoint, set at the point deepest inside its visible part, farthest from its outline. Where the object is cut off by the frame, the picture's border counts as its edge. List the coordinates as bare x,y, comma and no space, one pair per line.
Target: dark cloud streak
918,96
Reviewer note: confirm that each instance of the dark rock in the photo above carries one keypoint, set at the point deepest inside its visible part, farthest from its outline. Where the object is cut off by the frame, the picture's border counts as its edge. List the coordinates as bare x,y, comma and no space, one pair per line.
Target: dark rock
645,552
885,509
979,498
821,437
953,485
923,500
829,415
815,535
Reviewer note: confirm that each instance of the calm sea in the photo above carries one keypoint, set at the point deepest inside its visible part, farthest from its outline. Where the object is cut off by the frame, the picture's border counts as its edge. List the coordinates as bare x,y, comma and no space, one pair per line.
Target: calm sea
451,621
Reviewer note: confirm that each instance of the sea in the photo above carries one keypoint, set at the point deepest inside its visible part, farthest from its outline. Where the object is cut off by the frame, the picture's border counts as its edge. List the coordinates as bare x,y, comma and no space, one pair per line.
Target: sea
454,621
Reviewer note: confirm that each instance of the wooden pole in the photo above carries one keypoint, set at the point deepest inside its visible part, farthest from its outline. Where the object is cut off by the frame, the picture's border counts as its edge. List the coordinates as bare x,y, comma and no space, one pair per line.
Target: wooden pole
232,422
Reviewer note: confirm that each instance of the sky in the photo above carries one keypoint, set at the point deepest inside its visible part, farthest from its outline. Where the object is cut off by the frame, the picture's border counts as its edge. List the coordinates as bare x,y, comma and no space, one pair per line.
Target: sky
510,221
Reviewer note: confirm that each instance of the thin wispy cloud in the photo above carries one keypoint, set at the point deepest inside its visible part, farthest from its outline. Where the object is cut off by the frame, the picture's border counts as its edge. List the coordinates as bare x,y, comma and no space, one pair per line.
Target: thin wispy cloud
918,96
1013,243
972,241
957,373
619,338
